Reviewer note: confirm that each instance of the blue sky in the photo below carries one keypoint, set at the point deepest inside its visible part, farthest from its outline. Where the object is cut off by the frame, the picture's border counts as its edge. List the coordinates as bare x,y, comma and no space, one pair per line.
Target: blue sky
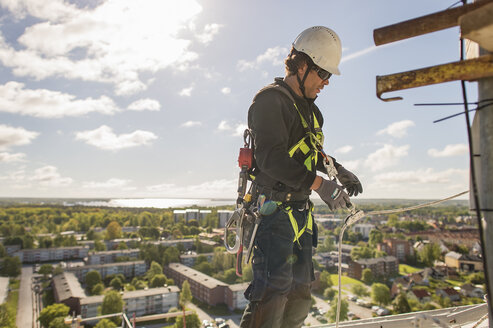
132,98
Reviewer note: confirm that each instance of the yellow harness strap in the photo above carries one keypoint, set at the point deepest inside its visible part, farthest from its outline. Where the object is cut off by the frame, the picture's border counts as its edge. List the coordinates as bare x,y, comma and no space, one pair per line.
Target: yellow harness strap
308,226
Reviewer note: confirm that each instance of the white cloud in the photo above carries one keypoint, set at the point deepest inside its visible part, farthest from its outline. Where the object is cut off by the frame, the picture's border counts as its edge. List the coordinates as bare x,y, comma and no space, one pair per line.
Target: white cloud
422,176
145,104
397,129
358,54
215,188
104,138
110,183
224,126
112,42
275,56
210,30
49,176
14,98
352,165
344,149
10,136
226,90
449,150
385,157
186,92
191,124
236,129
240,129
8,157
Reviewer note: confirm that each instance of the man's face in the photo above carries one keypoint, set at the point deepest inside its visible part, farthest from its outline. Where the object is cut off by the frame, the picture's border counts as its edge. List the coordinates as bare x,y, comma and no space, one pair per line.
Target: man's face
313,83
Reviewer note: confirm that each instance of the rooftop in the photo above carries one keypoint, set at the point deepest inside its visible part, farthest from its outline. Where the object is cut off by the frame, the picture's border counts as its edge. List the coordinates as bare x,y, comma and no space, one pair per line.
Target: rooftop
67,286
196,276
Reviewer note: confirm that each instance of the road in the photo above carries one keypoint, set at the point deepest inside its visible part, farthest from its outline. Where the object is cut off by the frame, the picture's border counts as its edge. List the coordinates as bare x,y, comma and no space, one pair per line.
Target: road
25,309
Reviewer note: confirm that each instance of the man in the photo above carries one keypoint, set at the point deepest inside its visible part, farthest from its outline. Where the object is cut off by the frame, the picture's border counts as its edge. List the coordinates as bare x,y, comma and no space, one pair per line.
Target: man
287,132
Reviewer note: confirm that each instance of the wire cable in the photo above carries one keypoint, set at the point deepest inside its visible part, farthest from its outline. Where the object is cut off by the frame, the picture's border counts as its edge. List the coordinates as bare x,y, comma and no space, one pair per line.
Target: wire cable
473,175
347,223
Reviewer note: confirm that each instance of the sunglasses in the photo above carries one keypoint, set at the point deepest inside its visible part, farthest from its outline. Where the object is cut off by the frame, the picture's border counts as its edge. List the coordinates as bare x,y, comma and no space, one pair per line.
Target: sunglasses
323,74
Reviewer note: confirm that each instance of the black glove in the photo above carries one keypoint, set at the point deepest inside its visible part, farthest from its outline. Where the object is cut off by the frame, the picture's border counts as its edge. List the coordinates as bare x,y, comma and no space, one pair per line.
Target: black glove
332,194
349,181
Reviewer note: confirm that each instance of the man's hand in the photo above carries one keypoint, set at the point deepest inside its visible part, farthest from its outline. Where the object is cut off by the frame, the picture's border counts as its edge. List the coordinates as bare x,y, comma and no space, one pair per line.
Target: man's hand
349,181
332,194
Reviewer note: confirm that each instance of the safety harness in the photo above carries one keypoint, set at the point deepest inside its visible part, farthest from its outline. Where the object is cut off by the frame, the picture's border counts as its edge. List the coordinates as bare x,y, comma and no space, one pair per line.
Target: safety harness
309,146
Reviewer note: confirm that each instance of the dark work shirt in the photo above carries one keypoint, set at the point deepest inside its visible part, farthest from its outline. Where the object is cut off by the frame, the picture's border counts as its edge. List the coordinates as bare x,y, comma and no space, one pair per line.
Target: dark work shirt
276,127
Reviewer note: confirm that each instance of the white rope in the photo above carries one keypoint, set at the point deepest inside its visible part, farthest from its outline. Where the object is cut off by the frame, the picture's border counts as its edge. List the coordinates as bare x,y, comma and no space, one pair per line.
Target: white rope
345,225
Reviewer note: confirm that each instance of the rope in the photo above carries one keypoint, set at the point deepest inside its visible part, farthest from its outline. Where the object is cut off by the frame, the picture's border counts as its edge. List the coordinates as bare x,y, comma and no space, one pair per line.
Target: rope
345,225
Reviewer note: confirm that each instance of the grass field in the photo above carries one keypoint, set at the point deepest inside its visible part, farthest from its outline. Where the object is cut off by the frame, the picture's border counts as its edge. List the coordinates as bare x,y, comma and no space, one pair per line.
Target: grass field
406,269
345,280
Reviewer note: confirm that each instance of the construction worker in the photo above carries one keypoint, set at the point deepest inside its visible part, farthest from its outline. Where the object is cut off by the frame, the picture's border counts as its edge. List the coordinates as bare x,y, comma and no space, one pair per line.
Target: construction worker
286,127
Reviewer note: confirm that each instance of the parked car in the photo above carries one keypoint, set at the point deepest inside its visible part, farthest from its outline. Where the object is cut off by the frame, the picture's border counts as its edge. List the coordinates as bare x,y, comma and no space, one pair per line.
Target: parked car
382,311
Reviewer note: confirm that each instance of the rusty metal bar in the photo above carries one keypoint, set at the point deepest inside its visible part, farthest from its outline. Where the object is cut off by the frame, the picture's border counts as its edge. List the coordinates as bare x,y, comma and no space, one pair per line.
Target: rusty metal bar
468,70
424,24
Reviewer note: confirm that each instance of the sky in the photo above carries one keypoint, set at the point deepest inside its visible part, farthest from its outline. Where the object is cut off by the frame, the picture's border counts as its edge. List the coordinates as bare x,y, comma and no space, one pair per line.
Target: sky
125,98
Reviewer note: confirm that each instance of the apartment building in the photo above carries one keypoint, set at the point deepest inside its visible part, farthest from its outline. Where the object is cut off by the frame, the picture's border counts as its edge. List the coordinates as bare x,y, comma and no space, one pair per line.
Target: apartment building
206,288
128,269
464,262
67,290
111,256
139,302
190,259
223,217
401,249
234,296
52,254
380,267
363,228
202,286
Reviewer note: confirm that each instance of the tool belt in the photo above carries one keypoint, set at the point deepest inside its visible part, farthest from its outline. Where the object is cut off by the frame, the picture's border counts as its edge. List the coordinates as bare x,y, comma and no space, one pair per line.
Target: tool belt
279,196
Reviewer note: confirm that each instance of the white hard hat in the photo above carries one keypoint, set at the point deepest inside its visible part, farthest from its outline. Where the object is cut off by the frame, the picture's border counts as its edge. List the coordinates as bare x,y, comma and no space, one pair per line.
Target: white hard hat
322,45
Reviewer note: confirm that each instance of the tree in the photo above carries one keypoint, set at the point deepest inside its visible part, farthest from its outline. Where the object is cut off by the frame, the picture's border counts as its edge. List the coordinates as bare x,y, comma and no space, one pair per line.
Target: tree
105,323
46,269
154,269
113,230
49,313
92,278
325,280
116,283
192,321
333,310
97,289
158,280
429,253
367,276
376,237
380,294
11,266
112,303
99,246
3,252
359,290
329,293
58,322
7,316
401,305
185,298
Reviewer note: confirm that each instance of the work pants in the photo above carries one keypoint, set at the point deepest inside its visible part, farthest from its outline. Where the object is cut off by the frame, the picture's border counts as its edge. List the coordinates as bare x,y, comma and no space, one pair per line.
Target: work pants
279,294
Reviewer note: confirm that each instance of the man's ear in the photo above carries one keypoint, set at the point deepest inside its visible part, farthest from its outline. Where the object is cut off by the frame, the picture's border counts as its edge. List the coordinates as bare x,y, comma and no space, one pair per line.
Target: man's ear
302,69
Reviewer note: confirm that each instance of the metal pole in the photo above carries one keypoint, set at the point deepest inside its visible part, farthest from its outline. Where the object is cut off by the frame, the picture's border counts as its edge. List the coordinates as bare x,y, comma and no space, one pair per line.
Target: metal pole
485,91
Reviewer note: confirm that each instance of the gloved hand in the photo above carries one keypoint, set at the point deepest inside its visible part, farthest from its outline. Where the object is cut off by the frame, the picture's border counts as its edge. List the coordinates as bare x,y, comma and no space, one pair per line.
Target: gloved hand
349,181
332,194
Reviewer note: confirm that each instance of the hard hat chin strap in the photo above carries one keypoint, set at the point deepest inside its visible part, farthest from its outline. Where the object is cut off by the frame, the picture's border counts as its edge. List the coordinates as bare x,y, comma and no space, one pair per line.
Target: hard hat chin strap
301,82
